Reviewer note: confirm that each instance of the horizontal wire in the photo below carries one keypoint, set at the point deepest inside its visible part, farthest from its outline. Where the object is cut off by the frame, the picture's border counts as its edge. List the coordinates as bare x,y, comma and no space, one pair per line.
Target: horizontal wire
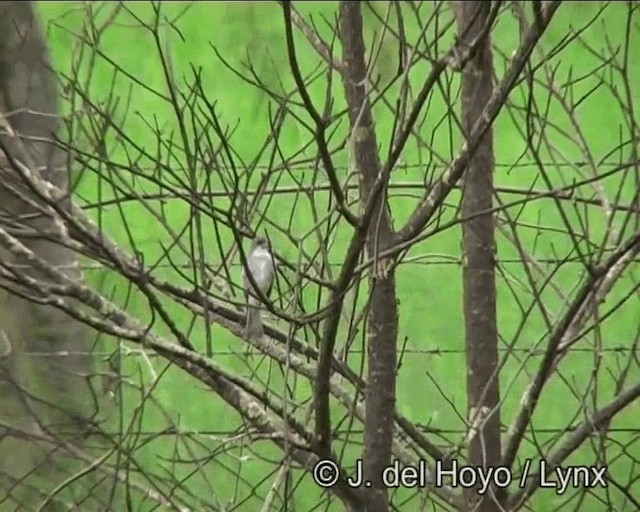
434,351
425,429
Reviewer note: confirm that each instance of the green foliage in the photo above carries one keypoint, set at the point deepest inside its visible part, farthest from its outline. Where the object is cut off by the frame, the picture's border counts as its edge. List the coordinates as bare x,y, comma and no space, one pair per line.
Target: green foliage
429,290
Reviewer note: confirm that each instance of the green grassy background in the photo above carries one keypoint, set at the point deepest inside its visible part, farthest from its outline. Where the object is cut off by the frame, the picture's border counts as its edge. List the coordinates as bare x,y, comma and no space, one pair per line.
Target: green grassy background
429,291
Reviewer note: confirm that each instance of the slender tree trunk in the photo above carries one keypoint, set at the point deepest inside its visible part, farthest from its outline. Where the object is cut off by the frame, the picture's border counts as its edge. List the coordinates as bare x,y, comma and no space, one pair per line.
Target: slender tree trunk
43,392
383,315
483,391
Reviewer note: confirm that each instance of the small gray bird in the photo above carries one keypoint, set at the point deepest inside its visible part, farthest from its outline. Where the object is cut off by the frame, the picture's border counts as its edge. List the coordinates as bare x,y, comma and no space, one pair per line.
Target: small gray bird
261,265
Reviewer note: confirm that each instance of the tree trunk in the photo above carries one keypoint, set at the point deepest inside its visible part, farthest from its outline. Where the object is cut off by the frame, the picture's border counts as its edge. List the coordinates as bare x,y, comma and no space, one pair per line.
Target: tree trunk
42,392
483,391
383,314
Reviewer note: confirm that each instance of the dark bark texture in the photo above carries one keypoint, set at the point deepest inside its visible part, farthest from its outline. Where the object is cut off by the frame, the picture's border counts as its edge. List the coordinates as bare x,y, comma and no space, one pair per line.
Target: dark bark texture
382,321
479,302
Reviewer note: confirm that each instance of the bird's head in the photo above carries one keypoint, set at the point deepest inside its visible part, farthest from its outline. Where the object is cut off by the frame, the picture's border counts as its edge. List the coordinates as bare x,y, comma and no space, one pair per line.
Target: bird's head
260,242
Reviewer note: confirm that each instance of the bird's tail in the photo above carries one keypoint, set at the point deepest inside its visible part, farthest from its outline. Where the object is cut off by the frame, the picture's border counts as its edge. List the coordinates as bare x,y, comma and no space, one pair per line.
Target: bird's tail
254,323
